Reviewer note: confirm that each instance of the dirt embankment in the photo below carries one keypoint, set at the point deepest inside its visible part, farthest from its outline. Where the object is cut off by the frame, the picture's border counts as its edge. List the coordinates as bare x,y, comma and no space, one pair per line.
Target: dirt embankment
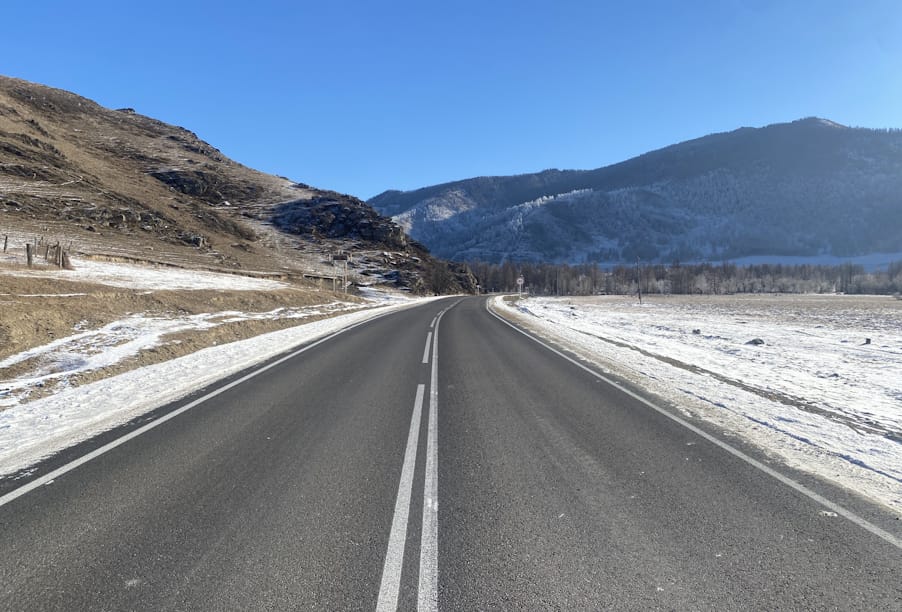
36,311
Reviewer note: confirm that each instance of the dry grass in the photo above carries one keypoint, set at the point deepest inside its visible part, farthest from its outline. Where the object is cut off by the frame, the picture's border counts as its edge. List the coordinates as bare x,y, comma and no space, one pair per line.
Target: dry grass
36,311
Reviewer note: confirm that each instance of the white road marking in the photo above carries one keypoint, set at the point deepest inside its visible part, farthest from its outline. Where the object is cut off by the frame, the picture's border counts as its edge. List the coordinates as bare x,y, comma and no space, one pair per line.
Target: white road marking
427,594
426,350
51,476
431,325
394,557
816,497
428,588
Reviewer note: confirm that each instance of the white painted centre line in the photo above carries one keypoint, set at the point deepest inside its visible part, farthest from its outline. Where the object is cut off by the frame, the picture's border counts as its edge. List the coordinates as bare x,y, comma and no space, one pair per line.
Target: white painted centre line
394,557
428,587
426,350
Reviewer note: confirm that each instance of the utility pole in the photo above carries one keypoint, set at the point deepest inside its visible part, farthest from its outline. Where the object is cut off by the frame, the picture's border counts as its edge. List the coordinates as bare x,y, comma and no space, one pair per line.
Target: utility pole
639,280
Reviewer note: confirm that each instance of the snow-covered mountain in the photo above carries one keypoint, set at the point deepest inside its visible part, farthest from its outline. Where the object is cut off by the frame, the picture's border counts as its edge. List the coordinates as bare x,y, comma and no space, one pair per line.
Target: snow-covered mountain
810,187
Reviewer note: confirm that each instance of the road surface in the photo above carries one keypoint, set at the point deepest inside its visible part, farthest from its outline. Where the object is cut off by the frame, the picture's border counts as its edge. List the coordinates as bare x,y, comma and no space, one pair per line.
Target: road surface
435,458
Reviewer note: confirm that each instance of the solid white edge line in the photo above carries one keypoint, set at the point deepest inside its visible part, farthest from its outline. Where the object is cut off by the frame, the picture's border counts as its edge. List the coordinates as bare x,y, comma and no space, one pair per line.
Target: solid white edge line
816,497
426,349
394,556
50,476
427,590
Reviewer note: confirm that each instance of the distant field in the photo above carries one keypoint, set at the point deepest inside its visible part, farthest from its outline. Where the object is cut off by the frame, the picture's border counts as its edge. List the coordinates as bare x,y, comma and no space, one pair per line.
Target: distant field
862,311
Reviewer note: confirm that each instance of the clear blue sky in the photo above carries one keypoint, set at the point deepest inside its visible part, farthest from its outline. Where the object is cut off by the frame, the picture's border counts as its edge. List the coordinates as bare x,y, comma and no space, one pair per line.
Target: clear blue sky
363,96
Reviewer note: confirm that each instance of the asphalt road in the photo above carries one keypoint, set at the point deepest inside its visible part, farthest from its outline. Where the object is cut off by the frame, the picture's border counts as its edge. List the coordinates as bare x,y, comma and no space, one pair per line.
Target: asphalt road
436,457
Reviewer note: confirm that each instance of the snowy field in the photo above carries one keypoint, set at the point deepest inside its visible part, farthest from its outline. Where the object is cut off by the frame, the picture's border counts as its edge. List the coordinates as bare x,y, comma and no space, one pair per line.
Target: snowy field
32,430
147,278
813,380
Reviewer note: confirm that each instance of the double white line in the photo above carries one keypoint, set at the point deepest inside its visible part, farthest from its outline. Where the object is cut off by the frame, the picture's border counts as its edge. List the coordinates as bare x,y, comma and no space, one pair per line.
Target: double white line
427,597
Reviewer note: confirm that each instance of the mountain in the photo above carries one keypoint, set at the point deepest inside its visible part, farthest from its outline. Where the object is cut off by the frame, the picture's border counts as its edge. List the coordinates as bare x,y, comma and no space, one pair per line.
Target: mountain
114,183
806,188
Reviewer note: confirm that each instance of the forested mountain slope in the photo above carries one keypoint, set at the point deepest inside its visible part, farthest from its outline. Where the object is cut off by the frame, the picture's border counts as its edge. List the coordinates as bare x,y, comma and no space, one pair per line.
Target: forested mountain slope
810,187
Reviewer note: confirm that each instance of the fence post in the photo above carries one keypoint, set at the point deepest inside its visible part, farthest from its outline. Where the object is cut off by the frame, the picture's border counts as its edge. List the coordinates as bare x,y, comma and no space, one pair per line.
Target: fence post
29,254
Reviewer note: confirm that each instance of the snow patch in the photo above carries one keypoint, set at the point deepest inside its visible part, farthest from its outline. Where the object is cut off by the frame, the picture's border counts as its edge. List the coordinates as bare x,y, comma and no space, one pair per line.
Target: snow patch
117,341
154,278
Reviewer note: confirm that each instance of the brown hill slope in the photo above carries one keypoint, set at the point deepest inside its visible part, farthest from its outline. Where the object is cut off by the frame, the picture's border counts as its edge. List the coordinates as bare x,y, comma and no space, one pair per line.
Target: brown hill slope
118,184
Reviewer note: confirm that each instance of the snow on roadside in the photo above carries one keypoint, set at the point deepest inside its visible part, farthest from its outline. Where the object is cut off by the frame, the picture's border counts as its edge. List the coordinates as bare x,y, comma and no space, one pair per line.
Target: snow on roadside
115,342
150,278
32,431
813,394
383,295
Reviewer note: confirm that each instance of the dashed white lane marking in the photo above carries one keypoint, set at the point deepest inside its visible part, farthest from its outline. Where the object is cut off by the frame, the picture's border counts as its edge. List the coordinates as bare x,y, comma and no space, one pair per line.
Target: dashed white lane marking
426,350
394,557
816,497
389,589
427,599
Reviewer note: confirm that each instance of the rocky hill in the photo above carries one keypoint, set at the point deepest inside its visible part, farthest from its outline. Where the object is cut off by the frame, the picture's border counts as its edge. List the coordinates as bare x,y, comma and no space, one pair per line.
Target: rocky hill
806,188
114,183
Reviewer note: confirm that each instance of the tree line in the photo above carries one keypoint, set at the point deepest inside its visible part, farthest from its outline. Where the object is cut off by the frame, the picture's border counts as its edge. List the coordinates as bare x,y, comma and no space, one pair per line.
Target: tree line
676,278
